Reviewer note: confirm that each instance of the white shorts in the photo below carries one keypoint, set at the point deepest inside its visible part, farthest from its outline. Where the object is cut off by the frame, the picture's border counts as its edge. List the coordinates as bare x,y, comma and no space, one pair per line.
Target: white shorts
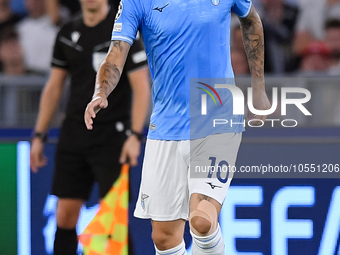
173,170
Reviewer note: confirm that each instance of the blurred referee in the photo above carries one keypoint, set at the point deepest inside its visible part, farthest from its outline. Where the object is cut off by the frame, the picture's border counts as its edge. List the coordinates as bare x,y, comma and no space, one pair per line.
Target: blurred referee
84,157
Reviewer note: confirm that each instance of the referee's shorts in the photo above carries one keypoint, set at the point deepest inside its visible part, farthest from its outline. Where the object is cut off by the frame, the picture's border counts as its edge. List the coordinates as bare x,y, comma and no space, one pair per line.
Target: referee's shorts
84,157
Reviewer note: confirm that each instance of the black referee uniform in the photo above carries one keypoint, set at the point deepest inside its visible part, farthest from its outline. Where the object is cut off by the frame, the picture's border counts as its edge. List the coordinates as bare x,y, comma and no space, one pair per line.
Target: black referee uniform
84,156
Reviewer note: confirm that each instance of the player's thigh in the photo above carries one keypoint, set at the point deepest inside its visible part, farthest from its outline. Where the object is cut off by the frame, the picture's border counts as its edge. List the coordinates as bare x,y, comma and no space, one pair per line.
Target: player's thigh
212,163
196,198
163,194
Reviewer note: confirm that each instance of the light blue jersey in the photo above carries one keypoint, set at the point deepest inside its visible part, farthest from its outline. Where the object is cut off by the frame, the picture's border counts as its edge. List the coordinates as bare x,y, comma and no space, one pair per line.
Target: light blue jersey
184,39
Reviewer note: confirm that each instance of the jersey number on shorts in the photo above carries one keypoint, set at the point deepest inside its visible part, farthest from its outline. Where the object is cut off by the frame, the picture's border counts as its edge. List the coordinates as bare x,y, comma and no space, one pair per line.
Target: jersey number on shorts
223,167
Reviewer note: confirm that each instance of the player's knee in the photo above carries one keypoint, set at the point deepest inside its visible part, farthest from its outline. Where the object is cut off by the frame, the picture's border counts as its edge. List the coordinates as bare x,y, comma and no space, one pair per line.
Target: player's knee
67,217
160,239
204,219
201,225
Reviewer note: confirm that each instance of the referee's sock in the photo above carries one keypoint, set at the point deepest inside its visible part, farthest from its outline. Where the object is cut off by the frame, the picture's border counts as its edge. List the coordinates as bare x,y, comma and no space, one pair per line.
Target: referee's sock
178,250
65,242
212,244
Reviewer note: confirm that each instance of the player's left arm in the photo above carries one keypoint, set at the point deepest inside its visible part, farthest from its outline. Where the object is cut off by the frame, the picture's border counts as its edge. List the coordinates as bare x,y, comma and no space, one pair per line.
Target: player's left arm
253,40
139,81
107,79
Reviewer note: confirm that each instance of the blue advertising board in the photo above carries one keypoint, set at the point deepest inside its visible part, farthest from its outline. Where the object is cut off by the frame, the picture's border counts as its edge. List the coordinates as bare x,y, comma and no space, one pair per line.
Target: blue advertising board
278,216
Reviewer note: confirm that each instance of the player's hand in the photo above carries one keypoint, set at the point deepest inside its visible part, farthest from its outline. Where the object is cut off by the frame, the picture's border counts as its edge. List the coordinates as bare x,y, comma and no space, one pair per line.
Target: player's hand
130,151
37,157
92,109
260,102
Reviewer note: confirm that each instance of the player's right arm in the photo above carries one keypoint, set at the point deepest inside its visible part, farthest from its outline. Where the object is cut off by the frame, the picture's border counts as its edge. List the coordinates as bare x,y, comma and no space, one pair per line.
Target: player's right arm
48,103
107,79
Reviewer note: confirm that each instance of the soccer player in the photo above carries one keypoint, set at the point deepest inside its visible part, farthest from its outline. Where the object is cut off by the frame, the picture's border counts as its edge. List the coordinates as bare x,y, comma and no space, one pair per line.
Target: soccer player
83,157
184,40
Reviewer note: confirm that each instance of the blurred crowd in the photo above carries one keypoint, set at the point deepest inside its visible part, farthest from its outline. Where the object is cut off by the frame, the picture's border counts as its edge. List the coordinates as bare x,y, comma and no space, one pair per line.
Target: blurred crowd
26,40
301,36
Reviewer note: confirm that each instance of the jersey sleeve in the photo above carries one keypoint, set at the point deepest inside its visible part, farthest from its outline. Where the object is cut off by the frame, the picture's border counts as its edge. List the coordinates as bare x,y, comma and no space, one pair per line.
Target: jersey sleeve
58,58
136,57
127,21
241,8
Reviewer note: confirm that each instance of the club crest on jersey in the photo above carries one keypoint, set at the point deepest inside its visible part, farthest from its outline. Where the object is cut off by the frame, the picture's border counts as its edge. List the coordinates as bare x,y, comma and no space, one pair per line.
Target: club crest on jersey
143,197
120,10
215,2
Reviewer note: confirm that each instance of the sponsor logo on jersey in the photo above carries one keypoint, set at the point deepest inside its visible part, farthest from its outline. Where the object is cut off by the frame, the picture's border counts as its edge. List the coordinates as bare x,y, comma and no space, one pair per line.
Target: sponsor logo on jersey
97,60
212,185
152,126
119,126
215,2
160,9
75,36
119,12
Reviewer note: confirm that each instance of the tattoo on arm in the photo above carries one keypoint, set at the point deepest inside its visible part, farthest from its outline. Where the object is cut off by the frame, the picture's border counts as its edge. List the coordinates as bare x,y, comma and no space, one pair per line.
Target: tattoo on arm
110,78
202,197
110,73
118,45
253,41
